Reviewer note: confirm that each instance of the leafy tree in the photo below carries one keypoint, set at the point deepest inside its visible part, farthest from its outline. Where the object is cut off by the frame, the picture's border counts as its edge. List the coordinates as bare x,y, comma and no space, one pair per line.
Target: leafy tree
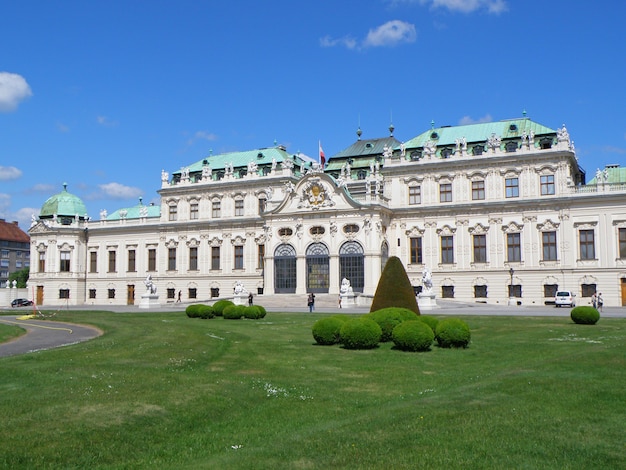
394,288
20,276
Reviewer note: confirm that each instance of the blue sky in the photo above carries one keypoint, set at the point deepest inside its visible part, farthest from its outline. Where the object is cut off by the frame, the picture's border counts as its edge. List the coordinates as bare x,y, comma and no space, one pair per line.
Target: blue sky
103,95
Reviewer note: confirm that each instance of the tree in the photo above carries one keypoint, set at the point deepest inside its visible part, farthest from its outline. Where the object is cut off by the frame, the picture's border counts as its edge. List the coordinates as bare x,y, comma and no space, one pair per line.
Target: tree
394,288
20,276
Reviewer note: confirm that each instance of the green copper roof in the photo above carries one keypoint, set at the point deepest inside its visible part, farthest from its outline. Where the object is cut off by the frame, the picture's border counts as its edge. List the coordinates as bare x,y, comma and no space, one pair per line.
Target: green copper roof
507,129
136,212
369,147
262,157
614,175
63,204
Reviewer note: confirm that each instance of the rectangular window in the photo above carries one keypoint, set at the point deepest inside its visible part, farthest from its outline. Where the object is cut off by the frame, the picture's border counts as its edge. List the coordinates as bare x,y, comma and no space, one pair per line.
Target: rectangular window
132,261
193,211
515,290
480,292
64,293
171,259
587,290
480,248
239,207
447,292
92,293
447,250
152,259
4,254
622,243
587,244
4,263
549,246
478,190
171,293
415,195
18,264
173,212
547,185
512,187
93,262
215,258
415,244
112,261
262,205
261,257
193,258
111,293
215,292
513,247
445,192
549,290
216,209
42,262
65,262
193,293
238,256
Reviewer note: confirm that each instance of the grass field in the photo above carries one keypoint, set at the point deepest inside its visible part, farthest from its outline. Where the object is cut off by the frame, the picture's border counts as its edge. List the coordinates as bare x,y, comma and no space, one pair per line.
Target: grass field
163,391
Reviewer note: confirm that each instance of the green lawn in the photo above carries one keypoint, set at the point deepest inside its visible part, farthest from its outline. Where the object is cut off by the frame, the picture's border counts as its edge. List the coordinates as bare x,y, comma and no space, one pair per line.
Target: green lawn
163,391
8,332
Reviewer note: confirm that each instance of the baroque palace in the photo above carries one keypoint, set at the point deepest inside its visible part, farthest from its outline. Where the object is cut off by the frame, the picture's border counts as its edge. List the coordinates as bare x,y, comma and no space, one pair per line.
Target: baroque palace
497,212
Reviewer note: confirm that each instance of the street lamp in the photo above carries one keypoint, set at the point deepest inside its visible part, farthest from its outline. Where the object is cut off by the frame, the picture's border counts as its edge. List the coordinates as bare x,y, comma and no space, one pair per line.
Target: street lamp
511,298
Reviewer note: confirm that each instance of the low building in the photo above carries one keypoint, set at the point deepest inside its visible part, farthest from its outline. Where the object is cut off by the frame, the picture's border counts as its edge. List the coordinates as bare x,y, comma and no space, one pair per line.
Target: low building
14,250
498,212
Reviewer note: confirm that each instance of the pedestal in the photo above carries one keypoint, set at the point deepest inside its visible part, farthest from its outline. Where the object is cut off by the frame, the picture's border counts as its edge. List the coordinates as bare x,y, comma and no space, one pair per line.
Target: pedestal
149,301
426,301
240,299
348,300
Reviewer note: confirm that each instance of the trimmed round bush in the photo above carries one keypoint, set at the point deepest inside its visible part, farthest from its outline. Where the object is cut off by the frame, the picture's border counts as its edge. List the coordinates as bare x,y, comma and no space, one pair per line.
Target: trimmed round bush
220,305
233,312
326,331
193,310
360,333
430,321
413,335
206,311
452,333
262,311
390,317
252,312
585,315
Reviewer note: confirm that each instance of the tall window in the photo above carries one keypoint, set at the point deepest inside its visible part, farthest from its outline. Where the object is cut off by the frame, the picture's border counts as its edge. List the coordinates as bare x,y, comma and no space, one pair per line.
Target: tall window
238,257
513,247
547,185
65,262
152,259
261,256
132,261
548,240
445,192
193,258
171,259
112,261
415,194
193,210
447,249
512,187
173,212
216,209
415,245
238,207
93,262
480,248
587,244
215,258
478,190
42,262
262,204
622,243
480,292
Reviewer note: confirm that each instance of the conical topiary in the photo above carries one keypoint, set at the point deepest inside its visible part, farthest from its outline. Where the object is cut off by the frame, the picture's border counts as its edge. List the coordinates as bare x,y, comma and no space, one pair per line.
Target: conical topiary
394,288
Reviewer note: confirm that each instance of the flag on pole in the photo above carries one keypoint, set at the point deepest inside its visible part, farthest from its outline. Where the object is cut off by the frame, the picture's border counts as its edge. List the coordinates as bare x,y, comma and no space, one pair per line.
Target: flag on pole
322,156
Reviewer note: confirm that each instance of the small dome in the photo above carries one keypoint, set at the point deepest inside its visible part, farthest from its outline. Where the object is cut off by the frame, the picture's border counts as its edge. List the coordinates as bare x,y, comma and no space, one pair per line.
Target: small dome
63,204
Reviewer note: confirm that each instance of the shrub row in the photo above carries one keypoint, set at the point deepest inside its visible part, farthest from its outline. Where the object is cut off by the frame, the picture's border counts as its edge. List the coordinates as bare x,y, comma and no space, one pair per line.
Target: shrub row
225,309
408,331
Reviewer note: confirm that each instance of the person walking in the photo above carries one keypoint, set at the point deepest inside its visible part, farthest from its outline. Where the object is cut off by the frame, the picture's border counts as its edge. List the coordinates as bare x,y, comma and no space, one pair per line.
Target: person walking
594,300
600,301
250,297
311,302
179,294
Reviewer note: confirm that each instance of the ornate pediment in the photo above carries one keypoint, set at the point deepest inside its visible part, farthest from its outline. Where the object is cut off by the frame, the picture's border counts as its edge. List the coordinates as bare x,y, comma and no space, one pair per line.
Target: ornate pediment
314,194
40,227
548,226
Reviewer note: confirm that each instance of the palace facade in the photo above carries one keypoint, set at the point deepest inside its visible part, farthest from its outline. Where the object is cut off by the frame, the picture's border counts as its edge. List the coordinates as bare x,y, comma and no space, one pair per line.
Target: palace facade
497,212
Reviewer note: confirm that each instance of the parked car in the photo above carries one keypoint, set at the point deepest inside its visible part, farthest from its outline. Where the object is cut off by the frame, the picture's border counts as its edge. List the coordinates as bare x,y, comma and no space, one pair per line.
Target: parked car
564,297
21,303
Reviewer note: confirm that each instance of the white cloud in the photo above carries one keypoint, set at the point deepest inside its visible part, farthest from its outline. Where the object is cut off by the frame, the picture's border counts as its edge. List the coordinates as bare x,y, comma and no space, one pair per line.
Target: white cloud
119,191
391,33
469,6
613,149
13,89
346,41
9,173
24,216
5,203
44,188
466,120
202,135
105,121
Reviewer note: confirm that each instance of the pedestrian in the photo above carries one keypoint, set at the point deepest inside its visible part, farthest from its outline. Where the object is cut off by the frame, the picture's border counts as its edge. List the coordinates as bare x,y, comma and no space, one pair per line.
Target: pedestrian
179,294
250,297
339,300
600,301
310,302
594,300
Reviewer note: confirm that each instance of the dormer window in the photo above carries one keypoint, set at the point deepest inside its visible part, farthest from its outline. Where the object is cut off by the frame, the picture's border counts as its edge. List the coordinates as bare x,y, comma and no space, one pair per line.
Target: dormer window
511,146
478,150
285,232
350,228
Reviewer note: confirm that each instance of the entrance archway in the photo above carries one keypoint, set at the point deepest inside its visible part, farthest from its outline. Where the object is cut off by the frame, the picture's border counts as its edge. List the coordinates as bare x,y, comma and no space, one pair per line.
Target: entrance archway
285,276
352,265
317,268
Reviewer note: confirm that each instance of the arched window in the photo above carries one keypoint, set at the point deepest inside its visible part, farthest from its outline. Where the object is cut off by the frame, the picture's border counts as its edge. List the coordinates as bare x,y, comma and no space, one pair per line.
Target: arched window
285,269
317,268
384,255
352,265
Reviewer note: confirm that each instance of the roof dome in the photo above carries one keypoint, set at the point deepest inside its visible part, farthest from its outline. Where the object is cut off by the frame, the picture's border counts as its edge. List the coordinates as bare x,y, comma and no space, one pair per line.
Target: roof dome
63,204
